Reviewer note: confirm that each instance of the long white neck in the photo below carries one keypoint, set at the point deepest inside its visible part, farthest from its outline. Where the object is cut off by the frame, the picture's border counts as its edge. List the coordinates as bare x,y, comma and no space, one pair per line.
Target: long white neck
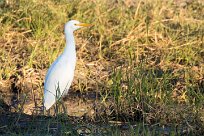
70,49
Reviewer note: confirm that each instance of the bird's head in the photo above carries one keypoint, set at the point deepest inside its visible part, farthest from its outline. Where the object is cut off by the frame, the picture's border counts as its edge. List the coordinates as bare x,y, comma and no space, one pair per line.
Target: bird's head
74,25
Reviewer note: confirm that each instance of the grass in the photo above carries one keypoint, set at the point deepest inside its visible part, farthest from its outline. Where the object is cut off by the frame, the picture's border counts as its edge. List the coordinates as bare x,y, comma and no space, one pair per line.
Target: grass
144,60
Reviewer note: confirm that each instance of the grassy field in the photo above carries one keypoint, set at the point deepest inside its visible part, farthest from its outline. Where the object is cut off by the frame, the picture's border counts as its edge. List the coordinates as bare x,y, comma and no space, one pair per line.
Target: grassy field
140,68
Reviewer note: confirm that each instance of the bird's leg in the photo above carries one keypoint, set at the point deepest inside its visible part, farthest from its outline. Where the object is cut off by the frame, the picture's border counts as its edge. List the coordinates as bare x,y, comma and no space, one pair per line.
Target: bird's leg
60,104
63,106
57,99
56,108
48,112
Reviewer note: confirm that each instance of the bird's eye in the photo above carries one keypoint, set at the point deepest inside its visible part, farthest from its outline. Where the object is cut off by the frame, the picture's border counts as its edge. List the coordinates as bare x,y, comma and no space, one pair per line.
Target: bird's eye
75,24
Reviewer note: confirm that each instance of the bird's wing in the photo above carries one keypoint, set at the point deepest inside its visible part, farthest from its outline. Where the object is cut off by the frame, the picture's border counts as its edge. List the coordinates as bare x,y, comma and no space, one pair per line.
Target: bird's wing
51,68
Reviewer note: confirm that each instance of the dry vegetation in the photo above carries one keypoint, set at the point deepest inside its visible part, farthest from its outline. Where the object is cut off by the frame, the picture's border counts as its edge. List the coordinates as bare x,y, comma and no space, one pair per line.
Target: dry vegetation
142,61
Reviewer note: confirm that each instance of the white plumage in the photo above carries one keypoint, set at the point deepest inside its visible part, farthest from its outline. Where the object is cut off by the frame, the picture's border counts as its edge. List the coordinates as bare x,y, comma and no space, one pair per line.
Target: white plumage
60,74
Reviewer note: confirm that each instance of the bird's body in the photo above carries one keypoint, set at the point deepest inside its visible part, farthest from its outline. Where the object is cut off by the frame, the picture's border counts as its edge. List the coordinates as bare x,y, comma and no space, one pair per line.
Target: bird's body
60,74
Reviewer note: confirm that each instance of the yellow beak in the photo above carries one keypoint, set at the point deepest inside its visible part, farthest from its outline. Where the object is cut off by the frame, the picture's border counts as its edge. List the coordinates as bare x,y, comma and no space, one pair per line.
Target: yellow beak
84,24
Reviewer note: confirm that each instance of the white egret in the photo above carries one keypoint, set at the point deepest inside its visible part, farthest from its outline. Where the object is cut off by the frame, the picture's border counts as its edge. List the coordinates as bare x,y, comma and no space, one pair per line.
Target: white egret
60,74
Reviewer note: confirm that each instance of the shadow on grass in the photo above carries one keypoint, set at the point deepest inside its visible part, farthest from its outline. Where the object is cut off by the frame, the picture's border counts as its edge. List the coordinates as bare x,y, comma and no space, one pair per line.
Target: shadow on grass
22,124
18,123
